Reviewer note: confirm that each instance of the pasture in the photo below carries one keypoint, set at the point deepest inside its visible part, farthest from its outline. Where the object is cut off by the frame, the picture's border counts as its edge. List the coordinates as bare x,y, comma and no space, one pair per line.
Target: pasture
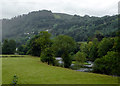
30,70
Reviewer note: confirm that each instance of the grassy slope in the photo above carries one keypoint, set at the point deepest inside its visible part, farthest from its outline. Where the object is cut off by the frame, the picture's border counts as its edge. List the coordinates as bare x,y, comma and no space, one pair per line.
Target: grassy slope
0,71
31,71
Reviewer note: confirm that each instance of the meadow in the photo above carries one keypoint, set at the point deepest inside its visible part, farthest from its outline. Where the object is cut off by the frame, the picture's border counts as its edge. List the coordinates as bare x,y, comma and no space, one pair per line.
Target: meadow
30,70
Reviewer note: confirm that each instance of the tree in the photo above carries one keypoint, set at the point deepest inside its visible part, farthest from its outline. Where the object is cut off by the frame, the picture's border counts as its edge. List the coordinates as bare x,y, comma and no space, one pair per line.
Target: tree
99,36
93,54
9,47
104,46
84,48
67,59
80,57
39,43
108,64
116,46
22,50
48,56
5,47
65,44
12,45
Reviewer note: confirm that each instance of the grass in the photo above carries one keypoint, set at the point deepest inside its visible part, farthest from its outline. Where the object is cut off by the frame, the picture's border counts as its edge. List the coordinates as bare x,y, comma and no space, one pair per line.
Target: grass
0,71
12,55
31,71
57,16
73,62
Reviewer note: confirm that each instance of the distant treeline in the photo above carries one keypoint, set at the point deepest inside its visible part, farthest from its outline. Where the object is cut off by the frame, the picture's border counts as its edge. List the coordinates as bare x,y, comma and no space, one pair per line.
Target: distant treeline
23,27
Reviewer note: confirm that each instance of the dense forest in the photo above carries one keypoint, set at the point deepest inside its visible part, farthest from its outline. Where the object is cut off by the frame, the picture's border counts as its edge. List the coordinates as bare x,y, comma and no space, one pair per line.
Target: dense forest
81,28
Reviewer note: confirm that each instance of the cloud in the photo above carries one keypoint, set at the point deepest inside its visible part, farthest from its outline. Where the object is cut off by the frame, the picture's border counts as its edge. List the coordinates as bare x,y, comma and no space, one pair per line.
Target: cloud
11,8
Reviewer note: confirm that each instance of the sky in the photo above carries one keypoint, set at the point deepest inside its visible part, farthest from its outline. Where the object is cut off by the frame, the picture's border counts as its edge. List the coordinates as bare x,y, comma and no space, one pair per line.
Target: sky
11,8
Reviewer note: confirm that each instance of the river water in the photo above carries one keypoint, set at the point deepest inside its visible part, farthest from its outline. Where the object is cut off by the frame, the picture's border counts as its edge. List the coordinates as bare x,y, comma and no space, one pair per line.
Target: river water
87,68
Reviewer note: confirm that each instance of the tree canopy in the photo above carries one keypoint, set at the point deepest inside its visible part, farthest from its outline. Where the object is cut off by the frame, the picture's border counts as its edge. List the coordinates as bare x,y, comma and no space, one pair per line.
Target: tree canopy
108,64
9,47
38,43
65,45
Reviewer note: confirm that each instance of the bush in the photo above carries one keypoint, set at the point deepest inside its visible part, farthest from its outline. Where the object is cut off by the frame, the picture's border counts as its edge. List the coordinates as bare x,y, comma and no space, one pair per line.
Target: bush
108,64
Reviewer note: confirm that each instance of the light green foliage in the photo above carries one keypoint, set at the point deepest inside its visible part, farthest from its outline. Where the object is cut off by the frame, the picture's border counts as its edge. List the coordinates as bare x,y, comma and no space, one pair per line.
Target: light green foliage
95,41
30,70
90,43
80,57
108,64
93,54
84,47
57,16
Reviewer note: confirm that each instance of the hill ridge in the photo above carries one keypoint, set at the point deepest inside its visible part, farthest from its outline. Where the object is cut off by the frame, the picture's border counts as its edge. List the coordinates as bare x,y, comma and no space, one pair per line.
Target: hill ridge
78,27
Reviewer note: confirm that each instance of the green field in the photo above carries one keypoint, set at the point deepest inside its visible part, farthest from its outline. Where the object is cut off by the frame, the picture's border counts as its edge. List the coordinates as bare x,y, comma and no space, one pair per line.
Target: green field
31,71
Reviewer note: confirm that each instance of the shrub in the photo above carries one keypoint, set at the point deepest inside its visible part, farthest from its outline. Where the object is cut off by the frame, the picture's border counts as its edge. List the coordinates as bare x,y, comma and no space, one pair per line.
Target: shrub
108,64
